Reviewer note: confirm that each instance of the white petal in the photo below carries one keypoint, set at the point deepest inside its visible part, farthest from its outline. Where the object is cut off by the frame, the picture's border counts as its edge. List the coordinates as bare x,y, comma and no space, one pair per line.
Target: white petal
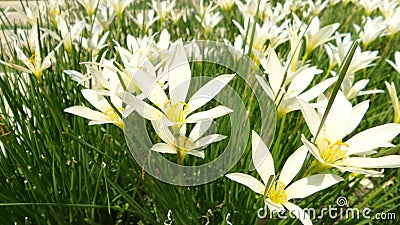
202,142
97,100
358,170
317,89
163,132
209,114
310,185
312,148
357,115
87,113
338,119
199,129
164,148
372,138
262,158
299,213
301,81
150,88
247,180
208,91
311,116
179,73
275,72
145,110
265,86
274,207
390,161
293,165
197,153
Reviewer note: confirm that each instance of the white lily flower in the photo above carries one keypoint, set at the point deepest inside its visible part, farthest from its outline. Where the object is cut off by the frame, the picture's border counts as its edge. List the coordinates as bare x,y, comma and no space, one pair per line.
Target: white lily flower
286,92
282,189
163,8
34,64
395,101
192,145
209,21
119,6
393,23
260,34
330,149
97,42
105,15
369,5
316,7
316,36
177,15
225,5
372,29
249,9
144,22
175,110
352,90
360,60
32,14
89,5
105,114
387,8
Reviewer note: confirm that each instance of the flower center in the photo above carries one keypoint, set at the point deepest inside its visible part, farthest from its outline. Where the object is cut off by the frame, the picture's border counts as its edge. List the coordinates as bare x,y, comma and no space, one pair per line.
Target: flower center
114,117
333,152
277,193
177,112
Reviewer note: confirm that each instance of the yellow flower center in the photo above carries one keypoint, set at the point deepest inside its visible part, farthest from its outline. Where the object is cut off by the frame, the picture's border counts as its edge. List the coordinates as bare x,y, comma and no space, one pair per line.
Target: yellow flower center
177,112
277,193
332,152
114,117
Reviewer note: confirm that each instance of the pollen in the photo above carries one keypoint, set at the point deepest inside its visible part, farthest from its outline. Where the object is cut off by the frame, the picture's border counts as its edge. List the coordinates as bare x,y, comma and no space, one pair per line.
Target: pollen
333,152
277,193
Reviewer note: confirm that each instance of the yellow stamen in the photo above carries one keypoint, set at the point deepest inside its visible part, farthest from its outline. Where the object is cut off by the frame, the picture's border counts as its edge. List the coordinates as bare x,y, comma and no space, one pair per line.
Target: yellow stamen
277,193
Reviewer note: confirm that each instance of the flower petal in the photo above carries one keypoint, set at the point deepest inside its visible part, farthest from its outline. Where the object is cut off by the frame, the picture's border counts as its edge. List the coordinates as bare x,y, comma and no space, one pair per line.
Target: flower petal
312,148
372,138
311,117
208,91
317,89
145,110
208,140
199,129
310,185
163,148
262,158
357,115
87,113
293,165
209,114
247,180
390,161
338,119
179,73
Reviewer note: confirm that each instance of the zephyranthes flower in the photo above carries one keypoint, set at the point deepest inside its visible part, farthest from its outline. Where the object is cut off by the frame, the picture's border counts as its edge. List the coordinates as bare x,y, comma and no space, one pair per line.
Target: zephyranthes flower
330,148
282,190
174,109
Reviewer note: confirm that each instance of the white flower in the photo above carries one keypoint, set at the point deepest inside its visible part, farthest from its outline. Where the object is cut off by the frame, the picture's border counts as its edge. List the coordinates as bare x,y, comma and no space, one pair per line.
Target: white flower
316,7
393,23
106,113
183,145
249,9
209,21
34,64
387,7
351,89
285,92
119,6
330,148
97,42
282,189
369,5
373,28
260,34
145,21
316,36
163,8
105,15
176,15
395,101
90,6
226,5
175,110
